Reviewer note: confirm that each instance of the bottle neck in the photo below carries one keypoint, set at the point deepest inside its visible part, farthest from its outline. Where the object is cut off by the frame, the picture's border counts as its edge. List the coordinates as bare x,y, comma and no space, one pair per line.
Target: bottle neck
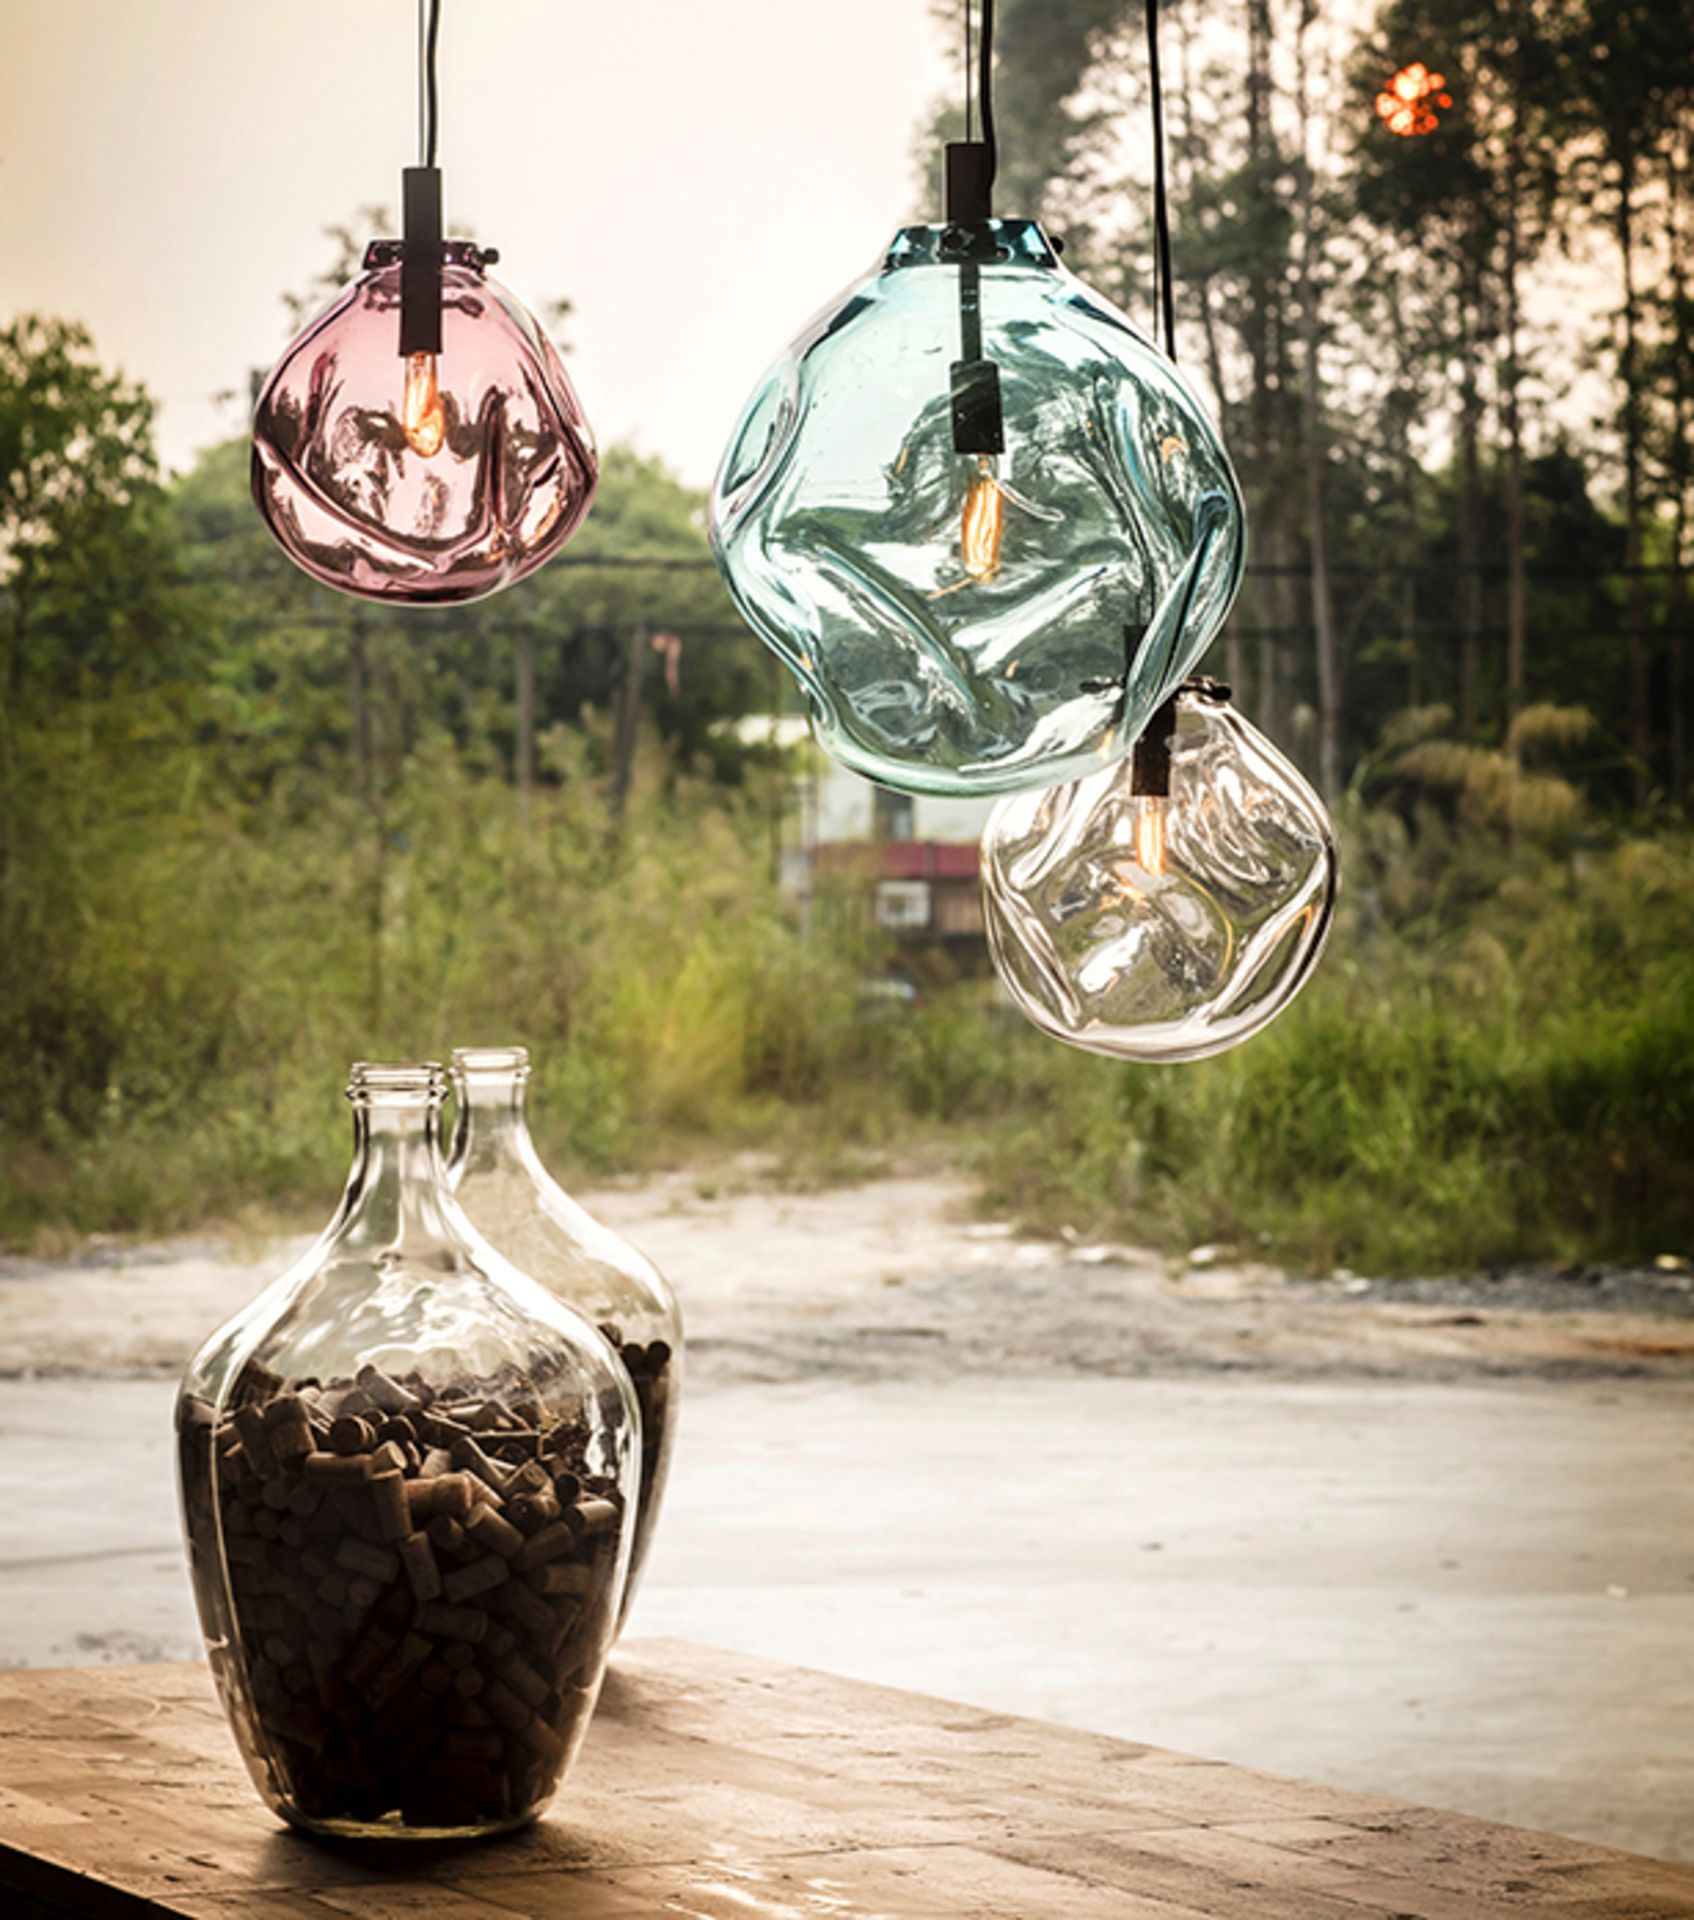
492,1128
397,1189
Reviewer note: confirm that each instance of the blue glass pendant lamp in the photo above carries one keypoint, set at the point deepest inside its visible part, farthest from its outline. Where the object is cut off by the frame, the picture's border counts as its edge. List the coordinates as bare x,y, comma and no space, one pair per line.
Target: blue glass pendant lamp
976,511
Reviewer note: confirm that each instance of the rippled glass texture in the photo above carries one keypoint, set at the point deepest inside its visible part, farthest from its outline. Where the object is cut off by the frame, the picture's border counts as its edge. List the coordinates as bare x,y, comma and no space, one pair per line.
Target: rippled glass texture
513,1200
430,480
960,623
1163,928
408,1480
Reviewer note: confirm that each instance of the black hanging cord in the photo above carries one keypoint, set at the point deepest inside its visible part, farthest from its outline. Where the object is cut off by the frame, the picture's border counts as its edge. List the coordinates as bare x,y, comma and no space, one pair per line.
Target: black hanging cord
971,162
970,128
429,104
420,195
985,87
1164,290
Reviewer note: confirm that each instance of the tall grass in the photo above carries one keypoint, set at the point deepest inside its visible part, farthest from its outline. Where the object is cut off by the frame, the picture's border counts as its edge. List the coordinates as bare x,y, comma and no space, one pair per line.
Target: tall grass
1511,1078
199,979
1495,1061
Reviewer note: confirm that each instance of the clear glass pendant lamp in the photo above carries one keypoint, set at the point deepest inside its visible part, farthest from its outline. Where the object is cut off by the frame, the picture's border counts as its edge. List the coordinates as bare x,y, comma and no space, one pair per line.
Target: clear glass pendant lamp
1171,906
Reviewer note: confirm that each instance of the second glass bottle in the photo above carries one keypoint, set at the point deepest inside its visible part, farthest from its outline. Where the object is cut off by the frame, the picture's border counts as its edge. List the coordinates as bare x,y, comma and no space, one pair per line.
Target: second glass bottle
516,1203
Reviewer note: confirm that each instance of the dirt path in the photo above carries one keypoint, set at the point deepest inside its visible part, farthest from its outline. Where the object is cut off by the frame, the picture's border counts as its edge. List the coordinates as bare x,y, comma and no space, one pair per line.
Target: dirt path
893,1280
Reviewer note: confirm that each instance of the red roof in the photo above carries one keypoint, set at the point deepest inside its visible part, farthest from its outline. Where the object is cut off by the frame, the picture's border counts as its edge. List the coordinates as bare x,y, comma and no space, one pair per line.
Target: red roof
909,859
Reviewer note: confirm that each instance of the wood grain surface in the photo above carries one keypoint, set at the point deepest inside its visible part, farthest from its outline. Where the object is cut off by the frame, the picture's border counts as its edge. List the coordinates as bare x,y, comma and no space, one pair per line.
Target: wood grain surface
721,1787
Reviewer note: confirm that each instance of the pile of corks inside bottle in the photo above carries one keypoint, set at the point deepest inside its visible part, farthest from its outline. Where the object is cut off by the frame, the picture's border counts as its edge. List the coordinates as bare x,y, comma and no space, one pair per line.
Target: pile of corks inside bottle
424,1586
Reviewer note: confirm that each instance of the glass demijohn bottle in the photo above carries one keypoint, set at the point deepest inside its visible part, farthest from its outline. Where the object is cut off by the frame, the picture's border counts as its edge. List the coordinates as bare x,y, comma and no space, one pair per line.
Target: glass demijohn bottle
511,1198
408,1476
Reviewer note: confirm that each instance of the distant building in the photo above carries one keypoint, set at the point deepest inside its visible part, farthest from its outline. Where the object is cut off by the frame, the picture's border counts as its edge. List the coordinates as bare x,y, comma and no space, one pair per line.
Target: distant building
861,855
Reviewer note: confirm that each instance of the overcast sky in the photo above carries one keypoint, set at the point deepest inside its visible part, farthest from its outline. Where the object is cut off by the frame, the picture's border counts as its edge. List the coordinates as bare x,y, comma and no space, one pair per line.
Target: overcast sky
697,179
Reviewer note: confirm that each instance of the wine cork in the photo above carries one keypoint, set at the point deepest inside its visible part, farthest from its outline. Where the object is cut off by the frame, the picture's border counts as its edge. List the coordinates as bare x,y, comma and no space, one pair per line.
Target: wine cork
422,1573
388,1396
375,1563
592,1516
419,1624
349,1435
518,1602
481,1576
551,1543
339,1468
489,1530
467,1454
561,1576
445,1493
453,1622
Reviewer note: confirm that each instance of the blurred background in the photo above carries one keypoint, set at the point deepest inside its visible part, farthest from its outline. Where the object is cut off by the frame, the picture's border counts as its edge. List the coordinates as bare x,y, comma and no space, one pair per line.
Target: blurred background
1352,1366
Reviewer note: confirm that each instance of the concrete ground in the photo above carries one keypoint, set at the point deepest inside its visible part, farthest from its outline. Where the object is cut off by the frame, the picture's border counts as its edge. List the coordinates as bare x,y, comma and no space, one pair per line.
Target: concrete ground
1444,1551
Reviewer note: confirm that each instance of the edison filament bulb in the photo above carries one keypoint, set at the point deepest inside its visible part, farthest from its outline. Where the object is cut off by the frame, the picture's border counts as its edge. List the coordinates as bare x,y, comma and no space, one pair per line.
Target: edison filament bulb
1171,906
422,414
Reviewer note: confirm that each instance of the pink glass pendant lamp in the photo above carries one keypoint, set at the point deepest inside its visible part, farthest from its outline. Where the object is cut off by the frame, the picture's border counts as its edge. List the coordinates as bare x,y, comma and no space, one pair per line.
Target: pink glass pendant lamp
420,441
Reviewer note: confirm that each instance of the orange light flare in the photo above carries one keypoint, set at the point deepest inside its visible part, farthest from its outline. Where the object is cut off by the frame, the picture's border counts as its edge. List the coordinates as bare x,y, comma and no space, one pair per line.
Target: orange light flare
1407,104
982,525
422,415
1150,832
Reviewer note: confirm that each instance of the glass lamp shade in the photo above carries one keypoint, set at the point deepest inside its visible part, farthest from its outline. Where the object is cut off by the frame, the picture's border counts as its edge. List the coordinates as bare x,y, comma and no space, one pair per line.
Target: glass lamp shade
431,478
500,1181
1163,927
982,620
408,1480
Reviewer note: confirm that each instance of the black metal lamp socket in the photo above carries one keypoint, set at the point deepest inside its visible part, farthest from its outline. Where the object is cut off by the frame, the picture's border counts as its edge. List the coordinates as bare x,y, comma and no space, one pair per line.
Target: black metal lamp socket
420,261
979,424
979,421
970,179
1150,763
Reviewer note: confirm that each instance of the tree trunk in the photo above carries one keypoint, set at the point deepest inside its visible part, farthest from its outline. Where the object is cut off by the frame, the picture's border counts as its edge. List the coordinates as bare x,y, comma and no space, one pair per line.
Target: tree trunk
1408,400
1268,602
1201,283
1635,599
627,725
1470,511
1682,471
1516,594
1312,455
523,744
1235,662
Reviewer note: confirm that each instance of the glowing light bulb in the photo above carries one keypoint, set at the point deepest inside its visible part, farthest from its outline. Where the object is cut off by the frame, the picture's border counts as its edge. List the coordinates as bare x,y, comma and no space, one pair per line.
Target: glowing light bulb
1169,925
1150,832
422,415
982,525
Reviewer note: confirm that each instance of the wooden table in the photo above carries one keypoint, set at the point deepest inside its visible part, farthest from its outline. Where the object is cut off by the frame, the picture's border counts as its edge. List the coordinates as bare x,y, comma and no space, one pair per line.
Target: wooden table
725,1788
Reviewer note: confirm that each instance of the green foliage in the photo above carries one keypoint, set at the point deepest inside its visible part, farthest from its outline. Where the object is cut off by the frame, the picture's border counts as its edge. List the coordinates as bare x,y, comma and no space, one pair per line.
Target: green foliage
1516,1085
204,974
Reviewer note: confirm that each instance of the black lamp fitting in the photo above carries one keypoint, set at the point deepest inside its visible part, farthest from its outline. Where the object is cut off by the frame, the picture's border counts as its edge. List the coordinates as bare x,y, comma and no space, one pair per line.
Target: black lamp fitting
420,261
